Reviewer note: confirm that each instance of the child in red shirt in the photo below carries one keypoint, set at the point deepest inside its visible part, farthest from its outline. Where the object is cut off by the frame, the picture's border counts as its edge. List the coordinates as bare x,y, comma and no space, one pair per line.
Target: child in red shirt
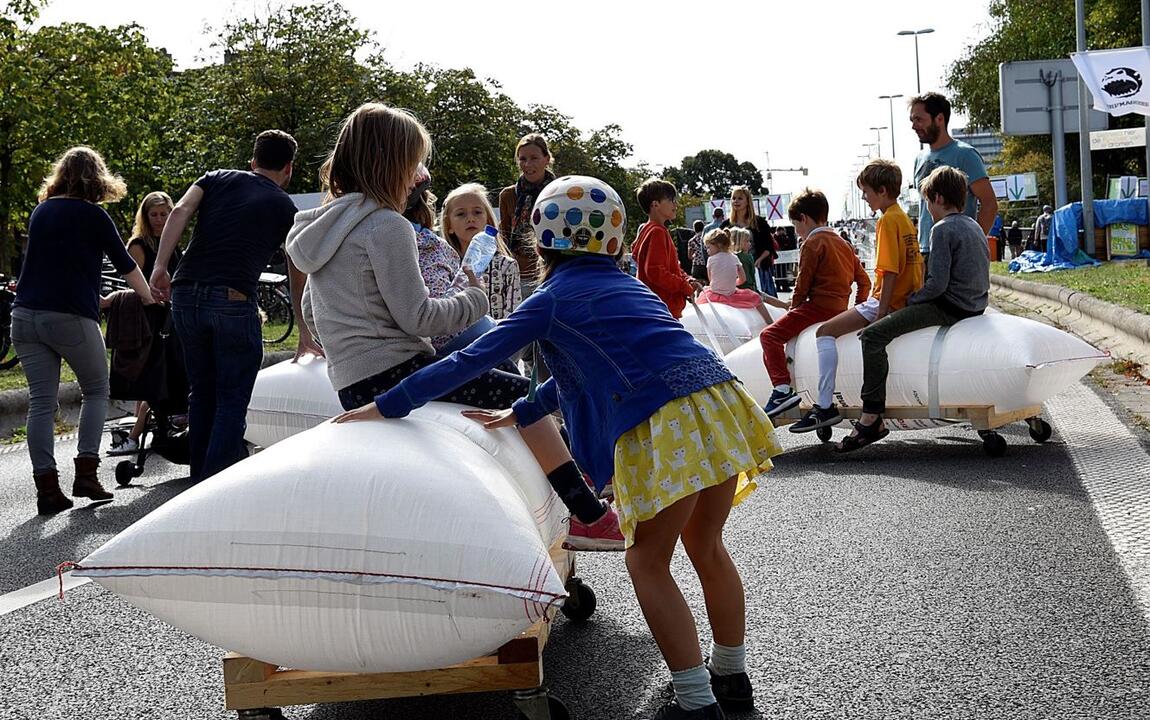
654,251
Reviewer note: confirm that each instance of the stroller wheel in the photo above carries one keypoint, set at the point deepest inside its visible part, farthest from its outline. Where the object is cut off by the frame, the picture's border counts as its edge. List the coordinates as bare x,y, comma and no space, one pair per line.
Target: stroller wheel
125,471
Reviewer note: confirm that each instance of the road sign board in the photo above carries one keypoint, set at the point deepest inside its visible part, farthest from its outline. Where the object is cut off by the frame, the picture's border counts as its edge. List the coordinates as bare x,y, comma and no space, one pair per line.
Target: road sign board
1115,139
1025,100
1015,187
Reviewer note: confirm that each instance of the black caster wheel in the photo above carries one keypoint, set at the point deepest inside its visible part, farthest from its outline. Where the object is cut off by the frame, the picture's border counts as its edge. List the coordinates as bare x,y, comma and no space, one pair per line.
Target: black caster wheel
994,444
260,714
125,471
555,709
823,434
580,602
1040,430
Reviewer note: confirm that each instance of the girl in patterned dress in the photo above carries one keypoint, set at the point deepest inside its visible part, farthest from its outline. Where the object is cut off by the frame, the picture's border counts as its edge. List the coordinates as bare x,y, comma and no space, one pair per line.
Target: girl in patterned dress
645,404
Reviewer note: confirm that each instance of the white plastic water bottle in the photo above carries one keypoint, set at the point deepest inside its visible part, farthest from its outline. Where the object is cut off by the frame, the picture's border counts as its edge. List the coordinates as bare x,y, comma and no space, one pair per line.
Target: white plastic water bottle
481,250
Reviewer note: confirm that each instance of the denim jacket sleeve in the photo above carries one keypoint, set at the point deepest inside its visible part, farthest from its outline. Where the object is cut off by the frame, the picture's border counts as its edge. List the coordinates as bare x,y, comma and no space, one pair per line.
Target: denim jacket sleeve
546,401
530,321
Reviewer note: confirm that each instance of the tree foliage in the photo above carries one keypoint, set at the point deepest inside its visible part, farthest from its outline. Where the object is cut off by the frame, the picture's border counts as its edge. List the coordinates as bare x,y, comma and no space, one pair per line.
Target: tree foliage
301,69
714,172
1039,30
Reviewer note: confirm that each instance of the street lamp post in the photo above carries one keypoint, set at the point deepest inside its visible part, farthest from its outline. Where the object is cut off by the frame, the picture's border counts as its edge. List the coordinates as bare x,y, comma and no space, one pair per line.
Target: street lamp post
916,33
878,138
890,100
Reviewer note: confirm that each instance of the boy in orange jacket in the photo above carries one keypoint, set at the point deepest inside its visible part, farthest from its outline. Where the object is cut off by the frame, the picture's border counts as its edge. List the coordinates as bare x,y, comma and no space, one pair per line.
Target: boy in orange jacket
654,252
827,267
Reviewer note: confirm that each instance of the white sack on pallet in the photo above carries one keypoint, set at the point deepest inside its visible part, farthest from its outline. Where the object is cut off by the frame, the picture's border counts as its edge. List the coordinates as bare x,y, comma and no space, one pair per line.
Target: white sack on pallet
289,398
994,360
381,546
731,327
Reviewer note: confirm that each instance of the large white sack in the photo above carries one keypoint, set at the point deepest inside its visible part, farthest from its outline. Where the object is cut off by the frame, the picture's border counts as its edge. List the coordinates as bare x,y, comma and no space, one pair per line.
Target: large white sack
381,546
995,359
730,326
289,398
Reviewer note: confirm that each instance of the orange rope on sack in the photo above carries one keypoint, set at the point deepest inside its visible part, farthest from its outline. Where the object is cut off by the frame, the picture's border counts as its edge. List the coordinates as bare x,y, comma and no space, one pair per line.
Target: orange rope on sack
60,570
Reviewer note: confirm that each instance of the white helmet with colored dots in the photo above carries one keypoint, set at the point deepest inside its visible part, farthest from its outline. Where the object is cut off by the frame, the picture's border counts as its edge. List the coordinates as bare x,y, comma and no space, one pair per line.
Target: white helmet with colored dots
579,214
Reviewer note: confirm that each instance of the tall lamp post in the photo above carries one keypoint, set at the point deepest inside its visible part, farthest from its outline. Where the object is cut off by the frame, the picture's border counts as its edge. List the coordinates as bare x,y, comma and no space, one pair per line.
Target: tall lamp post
878,138
890,100
916,33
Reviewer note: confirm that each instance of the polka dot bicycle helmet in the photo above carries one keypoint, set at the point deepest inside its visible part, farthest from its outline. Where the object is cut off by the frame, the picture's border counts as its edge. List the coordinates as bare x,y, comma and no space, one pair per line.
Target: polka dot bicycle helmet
579,214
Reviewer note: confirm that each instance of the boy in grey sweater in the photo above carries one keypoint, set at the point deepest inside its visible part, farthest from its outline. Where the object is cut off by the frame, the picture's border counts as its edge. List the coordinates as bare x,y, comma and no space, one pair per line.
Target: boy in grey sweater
957,287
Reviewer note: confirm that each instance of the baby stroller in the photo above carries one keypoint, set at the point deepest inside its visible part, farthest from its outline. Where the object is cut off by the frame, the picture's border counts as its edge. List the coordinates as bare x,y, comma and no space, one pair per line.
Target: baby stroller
156,375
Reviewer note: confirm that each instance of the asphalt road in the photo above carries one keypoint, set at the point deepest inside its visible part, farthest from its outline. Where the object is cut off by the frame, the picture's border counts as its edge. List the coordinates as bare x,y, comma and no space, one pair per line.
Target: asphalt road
915,579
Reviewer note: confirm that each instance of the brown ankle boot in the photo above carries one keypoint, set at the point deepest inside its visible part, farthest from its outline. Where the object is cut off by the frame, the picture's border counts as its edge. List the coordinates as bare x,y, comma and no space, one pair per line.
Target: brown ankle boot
49,499
86,484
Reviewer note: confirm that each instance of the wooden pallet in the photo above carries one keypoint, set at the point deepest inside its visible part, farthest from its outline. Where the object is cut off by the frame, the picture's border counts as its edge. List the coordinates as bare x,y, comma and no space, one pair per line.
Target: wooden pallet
981,418
251,684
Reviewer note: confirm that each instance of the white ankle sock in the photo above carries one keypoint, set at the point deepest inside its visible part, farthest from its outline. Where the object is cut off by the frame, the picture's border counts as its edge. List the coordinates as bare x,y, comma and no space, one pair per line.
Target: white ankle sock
784,388
828,368
693,688
728,660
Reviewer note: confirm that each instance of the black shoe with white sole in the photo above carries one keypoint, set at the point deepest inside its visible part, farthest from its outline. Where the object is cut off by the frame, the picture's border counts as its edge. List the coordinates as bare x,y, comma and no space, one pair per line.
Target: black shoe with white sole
816,418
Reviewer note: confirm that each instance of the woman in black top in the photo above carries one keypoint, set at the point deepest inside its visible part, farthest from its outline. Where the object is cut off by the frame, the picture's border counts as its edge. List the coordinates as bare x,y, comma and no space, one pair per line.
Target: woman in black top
762,238
56,315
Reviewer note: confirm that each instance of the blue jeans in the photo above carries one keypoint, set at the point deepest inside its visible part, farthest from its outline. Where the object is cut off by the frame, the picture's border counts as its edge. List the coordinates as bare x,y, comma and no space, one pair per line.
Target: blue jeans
223,349
766,280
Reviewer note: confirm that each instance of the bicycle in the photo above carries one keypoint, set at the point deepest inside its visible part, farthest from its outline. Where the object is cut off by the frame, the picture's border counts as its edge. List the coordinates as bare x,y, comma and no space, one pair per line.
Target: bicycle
277,318
8,357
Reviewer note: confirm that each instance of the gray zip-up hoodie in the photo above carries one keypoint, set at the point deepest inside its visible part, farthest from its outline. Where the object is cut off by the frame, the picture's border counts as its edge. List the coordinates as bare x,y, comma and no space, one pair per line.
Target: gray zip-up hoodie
365,299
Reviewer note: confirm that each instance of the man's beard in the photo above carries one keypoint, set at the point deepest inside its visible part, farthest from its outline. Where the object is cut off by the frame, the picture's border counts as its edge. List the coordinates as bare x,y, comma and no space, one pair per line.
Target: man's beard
929,135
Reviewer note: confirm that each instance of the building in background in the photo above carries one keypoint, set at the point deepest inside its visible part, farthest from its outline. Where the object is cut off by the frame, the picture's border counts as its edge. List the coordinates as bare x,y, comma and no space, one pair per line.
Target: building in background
988,143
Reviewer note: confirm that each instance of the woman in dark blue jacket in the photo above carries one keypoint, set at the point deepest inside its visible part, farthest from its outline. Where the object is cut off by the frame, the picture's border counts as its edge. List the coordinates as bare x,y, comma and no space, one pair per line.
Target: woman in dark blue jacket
645,404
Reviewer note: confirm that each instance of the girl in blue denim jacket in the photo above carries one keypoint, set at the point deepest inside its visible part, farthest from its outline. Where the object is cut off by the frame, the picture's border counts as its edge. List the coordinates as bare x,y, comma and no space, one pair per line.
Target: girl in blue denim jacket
646,405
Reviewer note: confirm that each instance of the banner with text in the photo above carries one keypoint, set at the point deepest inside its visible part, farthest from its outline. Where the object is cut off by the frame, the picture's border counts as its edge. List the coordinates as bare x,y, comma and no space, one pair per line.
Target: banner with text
1117,79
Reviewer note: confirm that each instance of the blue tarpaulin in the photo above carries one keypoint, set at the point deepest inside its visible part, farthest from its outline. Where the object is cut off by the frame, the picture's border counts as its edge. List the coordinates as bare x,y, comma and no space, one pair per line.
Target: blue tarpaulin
1062,251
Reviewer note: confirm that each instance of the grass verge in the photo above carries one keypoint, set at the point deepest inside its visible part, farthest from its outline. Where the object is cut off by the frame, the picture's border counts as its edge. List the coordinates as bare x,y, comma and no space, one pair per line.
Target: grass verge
1125,283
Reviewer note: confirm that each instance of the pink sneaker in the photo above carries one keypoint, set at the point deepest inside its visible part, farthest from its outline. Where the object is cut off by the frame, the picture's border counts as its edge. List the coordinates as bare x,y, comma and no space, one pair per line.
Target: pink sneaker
601,535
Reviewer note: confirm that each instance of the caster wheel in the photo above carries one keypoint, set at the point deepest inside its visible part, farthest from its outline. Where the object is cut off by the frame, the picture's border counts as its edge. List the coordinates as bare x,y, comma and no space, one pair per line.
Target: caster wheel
580,603
994,444
125,471
555,708
823,434
1040,430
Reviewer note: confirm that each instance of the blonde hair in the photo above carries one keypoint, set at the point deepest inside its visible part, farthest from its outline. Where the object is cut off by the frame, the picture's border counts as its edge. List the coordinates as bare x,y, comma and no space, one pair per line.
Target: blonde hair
80,172
749,213
142,229
720,238
882,176
468,190
739,236
377,152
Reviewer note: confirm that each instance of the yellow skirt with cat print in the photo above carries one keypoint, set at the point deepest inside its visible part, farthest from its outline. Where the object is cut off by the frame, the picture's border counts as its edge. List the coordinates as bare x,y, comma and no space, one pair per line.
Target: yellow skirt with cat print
690,444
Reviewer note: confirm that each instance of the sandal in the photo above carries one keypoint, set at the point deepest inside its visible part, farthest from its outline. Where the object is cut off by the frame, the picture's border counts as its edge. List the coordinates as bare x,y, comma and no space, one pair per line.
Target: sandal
862,436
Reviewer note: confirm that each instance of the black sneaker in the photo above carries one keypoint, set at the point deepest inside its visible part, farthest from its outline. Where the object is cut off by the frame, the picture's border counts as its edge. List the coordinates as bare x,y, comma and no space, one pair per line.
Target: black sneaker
816,418
672,711
734,692
780,401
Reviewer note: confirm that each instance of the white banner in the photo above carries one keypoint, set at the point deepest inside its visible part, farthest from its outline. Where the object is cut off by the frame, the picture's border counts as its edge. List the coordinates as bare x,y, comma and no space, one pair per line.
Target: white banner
1119,80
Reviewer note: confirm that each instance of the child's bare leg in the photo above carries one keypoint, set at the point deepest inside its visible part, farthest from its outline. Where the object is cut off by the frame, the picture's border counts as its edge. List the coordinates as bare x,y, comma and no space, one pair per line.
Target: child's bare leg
847,321
762,308
663,605
141,420
546,444
722,586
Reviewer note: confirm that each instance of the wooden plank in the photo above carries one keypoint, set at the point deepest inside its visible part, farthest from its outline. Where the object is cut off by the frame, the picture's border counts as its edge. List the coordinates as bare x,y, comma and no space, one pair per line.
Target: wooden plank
240,669
981,417
296,687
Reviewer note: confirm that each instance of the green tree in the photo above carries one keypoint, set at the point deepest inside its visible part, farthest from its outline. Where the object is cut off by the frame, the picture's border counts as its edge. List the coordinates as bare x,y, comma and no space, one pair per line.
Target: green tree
1038,30
714,172
295,70
74,84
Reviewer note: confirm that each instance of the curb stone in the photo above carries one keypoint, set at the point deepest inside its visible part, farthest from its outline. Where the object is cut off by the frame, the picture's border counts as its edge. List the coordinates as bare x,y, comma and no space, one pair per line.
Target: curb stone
1122,331
14,403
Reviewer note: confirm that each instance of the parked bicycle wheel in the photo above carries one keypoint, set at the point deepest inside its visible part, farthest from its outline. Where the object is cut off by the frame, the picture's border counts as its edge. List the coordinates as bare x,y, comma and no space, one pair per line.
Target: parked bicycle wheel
277,317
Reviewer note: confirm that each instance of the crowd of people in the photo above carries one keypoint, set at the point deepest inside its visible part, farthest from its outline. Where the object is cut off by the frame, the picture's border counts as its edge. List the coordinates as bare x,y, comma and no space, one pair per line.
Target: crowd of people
659,440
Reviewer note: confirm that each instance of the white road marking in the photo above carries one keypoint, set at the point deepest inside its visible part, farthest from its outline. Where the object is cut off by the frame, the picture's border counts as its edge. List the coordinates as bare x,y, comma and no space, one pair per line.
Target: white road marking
1115,470
10,602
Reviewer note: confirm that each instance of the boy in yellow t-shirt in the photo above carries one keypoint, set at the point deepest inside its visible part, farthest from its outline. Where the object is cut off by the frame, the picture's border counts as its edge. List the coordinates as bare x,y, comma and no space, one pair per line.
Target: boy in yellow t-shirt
898,273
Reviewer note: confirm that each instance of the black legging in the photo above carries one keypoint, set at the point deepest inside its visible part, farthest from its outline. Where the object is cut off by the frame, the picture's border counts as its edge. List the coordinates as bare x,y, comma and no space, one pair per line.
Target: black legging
493,390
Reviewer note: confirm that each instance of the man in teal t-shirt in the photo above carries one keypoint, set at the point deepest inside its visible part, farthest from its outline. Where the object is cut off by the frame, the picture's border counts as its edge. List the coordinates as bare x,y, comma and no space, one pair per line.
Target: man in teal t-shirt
929,117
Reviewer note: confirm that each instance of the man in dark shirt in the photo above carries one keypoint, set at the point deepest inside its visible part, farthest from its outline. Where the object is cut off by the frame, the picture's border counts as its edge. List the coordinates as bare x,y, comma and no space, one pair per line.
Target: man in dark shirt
243,217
